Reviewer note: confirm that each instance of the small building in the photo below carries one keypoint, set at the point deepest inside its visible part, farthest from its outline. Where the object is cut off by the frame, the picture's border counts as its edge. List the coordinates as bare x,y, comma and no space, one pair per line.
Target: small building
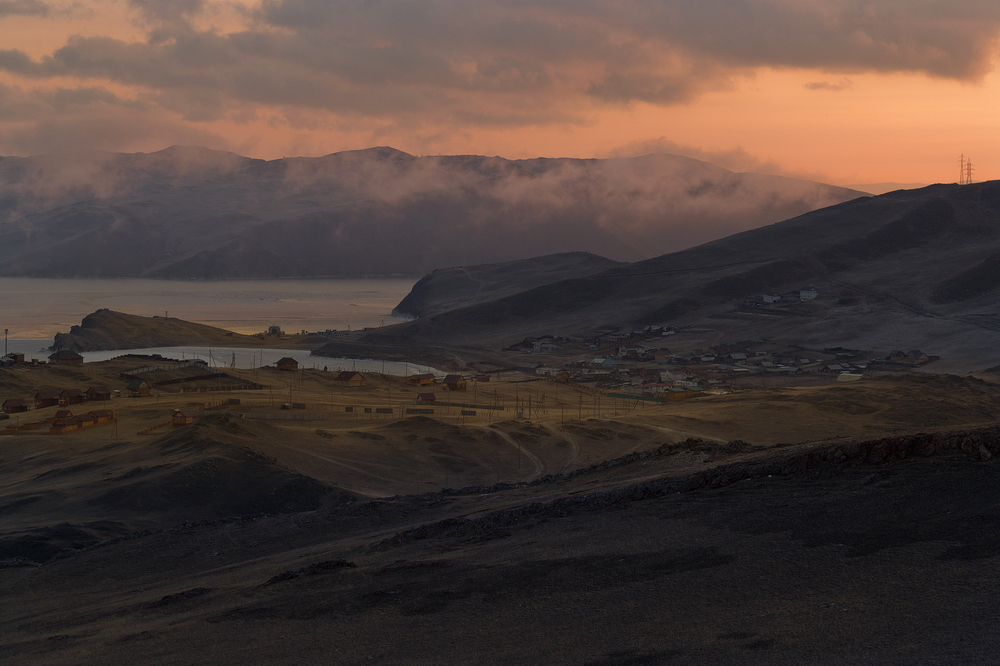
62,426
426,397
15,358
137,388
98,393
351,379
771,297
46,399
102,415
71,397
65,356
61,415
675,393
15,406
424,379
181,418
287,363
808,293
455,383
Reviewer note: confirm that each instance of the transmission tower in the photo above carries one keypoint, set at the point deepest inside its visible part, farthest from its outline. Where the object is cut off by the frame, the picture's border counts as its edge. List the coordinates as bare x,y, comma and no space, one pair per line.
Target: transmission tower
964,170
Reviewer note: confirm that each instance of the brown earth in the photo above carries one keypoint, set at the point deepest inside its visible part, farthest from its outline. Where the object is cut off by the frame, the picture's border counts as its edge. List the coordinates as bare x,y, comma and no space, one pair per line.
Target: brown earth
706,539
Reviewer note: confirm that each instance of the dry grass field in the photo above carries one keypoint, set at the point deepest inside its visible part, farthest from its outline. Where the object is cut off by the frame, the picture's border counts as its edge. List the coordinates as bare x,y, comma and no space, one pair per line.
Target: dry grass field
260,534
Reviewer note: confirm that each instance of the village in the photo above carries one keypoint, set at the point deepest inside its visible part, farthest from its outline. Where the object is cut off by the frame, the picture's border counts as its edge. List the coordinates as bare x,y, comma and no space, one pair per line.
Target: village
142,394
627,368
638,361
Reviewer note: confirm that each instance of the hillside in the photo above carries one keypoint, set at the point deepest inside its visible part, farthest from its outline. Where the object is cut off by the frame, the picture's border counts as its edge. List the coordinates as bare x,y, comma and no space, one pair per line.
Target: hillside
919,269
106,329
190,212
452,288
607,542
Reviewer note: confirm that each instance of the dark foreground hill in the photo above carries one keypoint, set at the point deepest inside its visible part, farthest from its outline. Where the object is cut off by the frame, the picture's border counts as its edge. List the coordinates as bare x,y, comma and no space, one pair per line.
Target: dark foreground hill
189,212
909,269
868,551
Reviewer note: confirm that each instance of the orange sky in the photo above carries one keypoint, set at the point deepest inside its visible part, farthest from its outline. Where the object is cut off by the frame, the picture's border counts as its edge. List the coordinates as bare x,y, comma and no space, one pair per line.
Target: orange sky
847,91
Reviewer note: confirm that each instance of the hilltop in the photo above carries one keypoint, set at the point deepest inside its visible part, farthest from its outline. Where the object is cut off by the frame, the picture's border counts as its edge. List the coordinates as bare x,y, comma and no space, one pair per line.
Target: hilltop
191,212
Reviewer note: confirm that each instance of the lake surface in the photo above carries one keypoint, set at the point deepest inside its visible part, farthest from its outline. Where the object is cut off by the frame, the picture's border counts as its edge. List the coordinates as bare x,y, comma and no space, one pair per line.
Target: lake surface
34,309
241,357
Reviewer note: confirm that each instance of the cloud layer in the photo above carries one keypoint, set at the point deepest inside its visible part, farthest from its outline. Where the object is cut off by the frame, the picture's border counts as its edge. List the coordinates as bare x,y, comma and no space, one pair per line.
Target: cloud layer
453,63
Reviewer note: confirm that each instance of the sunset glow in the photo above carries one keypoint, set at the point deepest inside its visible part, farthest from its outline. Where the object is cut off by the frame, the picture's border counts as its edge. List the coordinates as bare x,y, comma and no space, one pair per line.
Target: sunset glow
838,90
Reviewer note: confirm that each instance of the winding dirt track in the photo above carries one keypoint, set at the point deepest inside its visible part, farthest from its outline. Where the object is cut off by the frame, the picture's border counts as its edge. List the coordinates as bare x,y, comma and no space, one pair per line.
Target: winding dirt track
539,465
574,447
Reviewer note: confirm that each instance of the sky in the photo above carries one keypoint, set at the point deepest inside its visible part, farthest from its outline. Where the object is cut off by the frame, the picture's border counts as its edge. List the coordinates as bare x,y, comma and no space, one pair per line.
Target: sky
843,91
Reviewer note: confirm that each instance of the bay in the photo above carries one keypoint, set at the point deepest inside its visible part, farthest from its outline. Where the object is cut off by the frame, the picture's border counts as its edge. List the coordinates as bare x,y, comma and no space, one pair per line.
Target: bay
243,358
35,309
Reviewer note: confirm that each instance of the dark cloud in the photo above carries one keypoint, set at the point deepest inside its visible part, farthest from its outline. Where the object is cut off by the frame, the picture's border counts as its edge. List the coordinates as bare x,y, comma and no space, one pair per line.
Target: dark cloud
507,62
167,12
23,8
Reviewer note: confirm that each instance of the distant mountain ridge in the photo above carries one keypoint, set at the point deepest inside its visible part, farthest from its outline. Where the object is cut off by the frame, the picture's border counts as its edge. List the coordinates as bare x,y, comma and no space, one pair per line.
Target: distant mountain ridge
191,212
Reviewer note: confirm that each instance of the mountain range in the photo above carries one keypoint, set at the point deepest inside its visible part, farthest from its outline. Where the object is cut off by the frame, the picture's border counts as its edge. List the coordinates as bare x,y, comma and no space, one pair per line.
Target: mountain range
191,212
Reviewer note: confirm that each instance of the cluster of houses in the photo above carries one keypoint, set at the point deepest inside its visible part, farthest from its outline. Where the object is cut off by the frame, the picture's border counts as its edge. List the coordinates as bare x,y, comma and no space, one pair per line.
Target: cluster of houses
914,358
13,359
61,356
64,421
63,398
774,298
659,370
449,383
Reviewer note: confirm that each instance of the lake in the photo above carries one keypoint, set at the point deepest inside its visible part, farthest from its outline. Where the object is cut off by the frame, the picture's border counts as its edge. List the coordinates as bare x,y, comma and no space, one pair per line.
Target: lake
38,308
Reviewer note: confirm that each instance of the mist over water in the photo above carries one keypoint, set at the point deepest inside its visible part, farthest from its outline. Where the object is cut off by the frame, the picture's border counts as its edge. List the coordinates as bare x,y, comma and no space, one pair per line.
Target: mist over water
38,308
